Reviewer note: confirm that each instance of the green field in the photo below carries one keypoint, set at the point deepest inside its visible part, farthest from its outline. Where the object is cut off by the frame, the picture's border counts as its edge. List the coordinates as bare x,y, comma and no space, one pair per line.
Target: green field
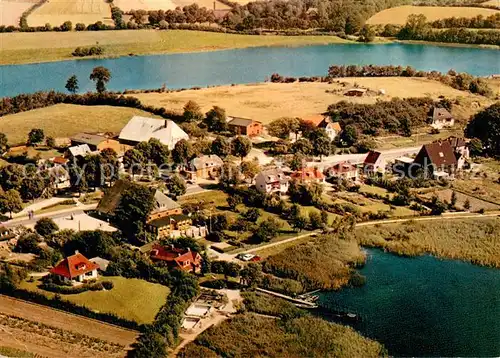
133,299
64,120
54,46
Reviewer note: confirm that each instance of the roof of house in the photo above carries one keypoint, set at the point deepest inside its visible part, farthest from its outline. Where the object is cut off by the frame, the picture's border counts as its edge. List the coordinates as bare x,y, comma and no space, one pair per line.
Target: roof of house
272,175
439,153
372,157
165,221
74,266
140,129
109,202
82,149
441,113
103,263
342,167
163,202
239,121
456,142
315,119
174,255
88,138
308,173
59,160
206,161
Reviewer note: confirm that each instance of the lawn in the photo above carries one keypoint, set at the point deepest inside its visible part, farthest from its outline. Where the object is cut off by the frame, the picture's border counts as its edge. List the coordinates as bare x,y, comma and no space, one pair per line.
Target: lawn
64,120
133,299
474,240
398,15
54,46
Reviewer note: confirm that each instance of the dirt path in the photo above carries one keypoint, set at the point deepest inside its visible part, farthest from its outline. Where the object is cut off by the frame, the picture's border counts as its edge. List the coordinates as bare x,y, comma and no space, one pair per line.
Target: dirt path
66,321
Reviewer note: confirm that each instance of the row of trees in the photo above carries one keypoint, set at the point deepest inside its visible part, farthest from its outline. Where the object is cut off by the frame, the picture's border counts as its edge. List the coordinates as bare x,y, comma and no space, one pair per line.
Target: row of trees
88,51
461,81
477,22
417,28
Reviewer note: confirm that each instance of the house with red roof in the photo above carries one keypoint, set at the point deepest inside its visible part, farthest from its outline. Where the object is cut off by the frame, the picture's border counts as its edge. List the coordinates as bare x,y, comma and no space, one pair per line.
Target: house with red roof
343,170
75,269
331,128
308,175
181,259
437,159
374,163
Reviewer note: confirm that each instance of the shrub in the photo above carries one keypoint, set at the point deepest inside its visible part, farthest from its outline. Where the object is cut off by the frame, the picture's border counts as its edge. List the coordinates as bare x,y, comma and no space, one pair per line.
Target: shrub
108,285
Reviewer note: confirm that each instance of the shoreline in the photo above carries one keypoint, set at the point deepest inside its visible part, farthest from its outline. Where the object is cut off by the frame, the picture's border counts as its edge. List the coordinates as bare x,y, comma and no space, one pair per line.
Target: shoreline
121,44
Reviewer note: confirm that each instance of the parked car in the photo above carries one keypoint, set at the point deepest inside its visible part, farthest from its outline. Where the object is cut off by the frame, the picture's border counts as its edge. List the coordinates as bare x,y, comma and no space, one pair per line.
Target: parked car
245,257
256,258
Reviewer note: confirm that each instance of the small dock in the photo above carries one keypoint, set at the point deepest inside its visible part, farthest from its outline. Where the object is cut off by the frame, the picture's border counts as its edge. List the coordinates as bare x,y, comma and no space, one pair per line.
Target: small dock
296,301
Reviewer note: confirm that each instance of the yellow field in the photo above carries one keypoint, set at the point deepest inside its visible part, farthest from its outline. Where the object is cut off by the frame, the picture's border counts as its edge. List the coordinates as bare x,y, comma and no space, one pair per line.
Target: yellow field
64,120
55,12
11,11
268,101
18,47
398,15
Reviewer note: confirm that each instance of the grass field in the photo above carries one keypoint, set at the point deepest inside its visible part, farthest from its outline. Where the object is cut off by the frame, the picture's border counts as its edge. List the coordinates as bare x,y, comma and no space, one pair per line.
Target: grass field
492,3
473,240
398,15
133,299
54,46
63,120
55,12
268,101
128,5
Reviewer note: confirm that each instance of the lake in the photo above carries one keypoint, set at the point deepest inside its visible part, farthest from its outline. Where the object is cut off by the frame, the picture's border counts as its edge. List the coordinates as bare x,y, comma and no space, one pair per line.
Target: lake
243,66
425,306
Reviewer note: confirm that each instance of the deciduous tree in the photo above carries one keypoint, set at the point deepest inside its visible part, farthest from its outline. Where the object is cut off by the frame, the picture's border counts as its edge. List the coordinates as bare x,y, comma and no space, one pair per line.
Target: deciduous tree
101,76
72,84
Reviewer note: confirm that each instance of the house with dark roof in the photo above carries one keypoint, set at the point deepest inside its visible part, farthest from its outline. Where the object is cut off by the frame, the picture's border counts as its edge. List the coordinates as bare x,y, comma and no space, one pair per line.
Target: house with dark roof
244,126
164,227
374,163
97,142
343,170
271,181
436,159
75,269
441,118
163,205
181,259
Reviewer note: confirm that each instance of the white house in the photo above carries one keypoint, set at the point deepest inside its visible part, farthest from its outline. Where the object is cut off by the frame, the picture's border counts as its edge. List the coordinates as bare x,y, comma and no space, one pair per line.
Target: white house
441,118
78,151
374,163
271,181
331,128
75,269
343,170
141,129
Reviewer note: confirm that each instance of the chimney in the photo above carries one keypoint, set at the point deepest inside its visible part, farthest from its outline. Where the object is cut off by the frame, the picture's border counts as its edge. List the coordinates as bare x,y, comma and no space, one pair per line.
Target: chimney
166,123
214,5
77,252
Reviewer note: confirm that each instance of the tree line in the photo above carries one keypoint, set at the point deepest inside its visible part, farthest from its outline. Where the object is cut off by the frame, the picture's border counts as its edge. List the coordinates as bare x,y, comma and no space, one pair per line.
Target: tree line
477,22
461,81
417,28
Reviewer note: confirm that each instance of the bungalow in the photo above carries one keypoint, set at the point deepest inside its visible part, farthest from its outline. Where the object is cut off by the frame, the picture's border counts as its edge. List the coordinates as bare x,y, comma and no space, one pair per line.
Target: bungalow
374,163
75,269
163,205
355,92
165,226
436,159
343,170
141,129
331,128
271,181
441,118
181,259
205,167
244,126
78,151
309,175
97,142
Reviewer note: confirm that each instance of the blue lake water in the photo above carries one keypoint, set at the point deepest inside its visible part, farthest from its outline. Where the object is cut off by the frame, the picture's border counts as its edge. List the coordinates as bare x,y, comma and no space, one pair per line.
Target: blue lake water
243,66
425,306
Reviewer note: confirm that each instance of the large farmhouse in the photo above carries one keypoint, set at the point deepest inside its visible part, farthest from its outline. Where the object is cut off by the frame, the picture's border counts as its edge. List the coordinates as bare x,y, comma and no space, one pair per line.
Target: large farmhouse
141,129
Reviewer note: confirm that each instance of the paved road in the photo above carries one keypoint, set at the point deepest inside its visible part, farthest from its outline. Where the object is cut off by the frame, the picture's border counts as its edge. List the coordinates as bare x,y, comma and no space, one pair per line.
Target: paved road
232,257
54,215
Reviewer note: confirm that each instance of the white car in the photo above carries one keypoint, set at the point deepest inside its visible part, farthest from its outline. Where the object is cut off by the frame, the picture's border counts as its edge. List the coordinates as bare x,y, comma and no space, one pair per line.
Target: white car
245,257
